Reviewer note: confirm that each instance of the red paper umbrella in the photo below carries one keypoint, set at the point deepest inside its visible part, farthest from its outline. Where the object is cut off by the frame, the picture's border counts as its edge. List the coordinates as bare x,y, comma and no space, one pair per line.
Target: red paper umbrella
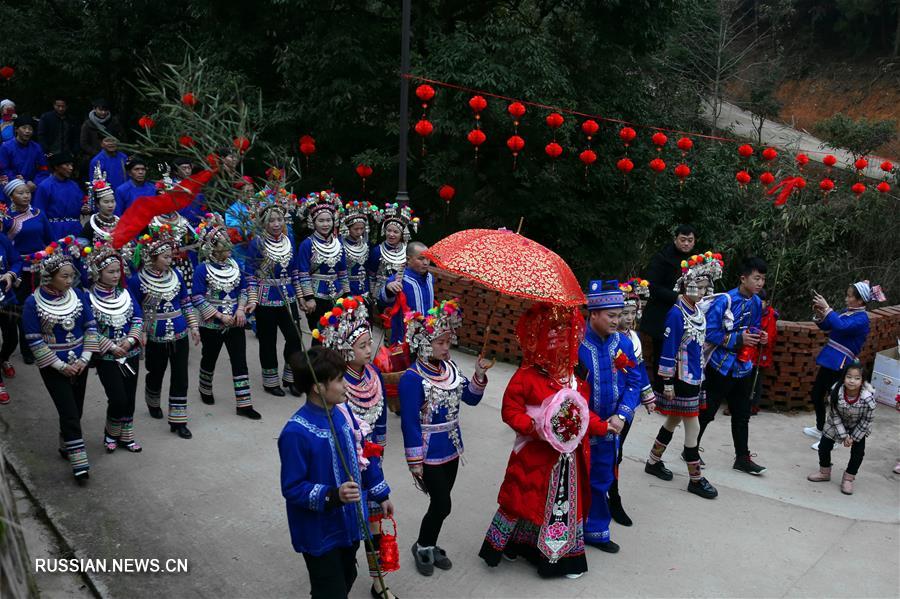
510,264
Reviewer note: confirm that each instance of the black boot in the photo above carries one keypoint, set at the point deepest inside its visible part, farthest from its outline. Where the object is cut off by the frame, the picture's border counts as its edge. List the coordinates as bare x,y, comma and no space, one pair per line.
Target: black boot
291,388
208,399
155,412
615,506
276,391
181,430
249,412
658,470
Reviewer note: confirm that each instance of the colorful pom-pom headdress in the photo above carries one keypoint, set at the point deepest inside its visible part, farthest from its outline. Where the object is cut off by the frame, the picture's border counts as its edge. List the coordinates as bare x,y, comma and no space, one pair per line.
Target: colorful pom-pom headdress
356,212
99,256
422,329
213,235
55,256
708,266
635,290
149,245
402,216
316,202
269,199
340,327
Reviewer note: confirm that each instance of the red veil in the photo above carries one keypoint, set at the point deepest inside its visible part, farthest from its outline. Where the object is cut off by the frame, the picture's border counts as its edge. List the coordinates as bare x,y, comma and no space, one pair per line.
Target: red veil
549,336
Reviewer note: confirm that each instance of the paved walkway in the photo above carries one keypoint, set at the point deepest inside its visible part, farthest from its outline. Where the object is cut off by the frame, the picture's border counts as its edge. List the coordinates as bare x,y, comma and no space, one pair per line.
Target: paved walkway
787,138
215,500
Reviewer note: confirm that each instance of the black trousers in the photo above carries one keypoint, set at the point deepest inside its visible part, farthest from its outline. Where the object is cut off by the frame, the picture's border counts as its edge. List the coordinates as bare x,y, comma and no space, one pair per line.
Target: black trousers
439,482
825,380
312,319
269,320
67,394
120,387
736,392
857,452
158,357
11,323
332,574
235,342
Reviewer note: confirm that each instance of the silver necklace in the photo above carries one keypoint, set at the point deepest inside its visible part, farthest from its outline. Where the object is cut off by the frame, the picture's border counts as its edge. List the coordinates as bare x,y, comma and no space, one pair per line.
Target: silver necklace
63,310
278,251
393,258
325,252
357,251
102,229
695,324
223,278
157,287
113,311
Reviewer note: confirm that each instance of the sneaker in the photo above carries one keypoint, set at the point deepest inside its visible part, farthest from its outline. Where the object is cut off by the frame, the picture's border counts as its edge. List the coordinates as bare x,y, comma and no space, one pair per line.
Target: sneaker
746,464
703,489
658,470
574,576
4,395
424,560
440,559
815,446
811,431
9,371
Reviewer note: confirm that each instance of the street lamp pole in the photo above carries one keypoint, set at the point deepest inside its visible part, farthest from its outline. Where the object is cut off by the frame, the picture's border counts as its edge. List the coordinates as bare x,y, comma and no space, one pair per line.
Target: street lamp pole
402,194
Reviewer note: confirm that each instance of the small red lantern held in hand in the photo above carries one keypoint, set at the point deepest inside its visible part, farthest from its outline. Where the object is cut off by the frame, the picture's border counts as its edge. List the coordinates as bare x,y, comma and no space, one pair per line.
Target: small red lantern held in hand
388,553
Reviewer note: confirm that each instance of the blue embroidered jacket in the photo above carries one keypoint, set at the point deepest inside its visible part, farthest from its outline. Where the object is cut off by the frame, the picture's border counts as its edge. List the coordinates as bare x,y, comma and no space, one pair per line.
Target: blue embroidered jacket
612,391
209,301
113,166
419,292
10,261
364,407
681,356
60,200
110,334
269,283
28,231
129,191
311,472
357,277
164,319
56,345
646,390
25,160
429,411
319,279
847,332
724,331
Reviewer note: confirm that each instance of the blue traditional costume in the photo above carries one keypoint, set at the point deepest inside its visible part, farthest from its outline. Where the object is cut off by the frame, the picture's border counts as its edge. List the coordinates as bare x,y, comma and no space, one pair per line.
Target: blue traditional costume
112,166
356,251
119,324
10,264
168,318
130,190
220,294
61,200
615,391
430,397
62,333
25,160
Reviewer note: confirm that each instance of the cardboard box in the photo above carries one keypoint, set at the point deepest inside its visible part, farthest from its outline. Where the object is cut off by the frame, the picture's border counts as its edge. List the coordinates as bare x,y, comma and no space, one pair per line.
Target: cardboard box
886,376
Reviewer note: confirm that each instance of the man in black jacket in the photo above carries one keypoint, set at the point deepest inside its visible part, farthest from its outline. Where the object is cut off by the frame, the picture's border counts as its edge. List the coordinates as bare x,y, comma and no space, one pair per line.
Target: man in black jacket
57,131
663,272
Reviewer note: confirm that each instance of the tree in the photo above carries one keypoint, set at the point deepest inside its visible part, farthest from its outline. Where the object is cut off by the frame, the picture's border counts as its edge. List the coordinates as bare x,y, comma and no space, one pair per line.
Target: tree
858,136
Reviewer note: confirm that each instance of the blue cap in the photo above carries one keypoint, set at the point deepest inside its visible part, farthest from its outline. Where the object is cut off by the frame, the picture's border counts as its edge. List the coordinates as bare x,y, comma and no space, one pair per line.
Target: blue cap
605,295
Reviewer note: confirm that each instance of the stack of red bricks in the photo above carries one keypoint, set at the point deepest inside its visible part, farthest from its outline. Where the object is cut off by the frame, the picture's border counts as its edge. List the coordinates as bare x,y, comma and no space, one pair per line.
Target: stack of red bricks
787,384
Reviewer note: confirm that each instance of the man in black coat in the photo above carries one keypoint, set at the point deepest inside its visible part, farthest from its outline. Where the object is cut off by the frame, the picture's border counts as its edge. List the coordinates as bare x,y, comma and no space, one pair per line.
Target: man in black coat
57,130
663,272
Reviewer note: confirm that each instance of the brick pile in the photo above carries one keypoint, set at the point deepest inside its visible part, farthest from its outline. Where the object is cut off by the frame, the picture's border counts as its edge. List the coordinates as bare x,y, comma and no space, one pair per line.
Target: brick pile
786,385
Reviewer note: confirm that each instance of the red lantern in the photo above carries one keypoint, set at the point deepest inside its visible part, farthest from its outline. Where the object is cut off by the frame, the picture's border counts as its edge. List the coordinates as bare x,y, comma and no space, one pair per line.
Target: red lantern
189,100
625,165
554,120
364,171
829,160
516,110
682,171
7,72
826,185
424,128
425,92
746,151
307,147
800,182
186,141
476,137
627,135
477,104
883,187
769,154
659,139
767,178
446,192
658,165
861,163
743,177
388,553
887,166
553,149
685,144
146,123
588,157
858,189
241,144
515,144
590,128
802,160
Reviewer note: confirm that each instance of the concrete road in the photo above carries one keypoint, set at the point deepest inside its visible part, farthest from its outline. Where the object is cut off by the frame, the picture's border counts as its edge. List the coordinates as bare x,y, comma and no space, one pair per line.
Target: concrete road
215,501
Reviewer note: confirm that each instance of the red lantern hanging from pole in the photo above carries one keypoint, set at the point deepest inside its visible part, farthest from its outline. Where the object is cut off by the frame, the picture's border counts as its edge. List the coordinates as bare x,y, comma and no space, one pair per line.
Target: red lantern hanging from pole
515,145
364,171
423,129
425,93
307,147
516,110
554,120
590,128
476,137
587,157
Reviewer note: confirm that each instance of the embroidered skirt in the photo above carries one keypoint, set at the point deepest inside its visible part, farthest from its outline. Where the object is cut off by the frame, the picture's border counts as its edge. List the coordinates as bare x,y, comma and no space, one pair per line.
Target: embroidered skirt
688,402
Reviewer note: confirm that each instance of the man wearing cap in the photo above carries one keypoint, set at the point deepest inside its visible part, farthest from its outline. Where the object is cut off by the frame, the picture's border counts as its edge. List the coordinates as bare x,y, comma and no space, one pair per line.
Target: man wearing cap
60,198
112,162
99,123
23,158
608,365
135,187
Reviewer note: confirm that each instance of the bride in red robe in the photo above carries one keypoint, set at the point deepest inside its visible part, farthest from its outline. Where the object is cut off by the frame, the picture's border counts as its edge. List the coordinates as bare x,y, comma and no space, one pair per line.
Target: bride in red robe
545,492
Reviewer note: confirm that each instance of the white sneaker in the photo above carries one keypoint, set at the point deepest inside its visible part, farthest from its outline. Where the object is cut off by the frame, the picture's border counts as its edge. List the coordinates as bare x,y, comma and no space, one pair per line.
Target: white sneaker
574,576
815,446
811,431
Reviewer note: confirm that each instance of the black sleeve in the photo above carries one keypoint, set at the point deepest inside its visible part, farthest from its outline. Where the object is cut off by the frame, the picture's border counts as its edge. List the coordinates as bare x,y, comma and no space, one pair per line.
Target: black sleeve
656,274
